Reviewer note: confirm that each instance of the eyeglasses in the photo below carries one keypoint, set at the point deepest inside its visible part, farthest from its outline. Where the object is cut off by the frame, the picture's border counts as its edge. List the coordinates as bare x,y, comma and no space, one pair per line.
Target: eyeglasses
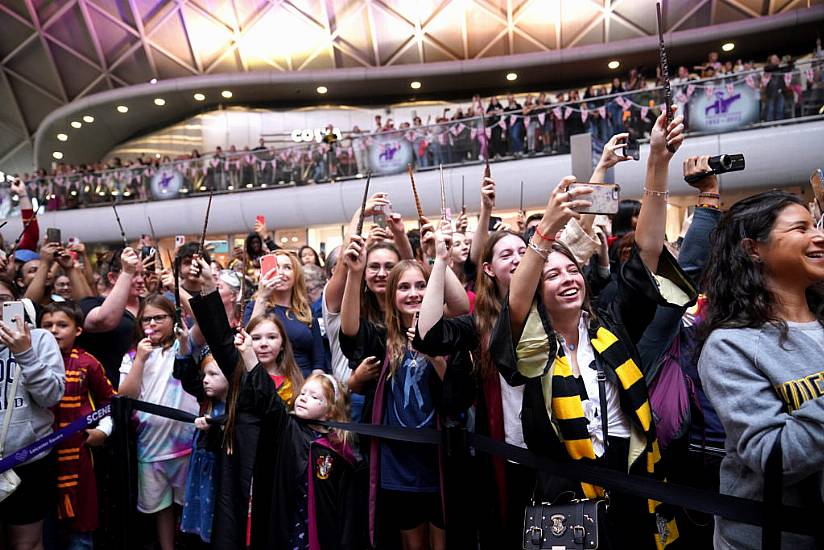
156,318
375,268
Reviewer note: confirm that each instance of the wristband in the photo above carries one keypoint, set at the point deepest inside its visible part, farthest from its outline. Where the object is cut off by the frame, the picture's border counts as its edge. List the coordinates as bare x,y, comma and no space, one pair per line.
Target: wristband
705,205
709,196
542,236
542,252
654,193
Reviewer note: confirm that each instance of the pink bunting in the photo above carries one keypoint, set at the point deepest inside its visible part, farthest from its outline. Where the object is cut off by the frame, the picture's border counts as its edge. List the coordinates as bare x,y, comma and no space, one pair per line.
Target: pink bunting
730,88
557,112
750,81
709,89
455,131
788,78
584,115
472,133
488,132
810,75
602,110
502,124
644,111
681,97
567,112
542,117
442,139
765,78
512,119
690,90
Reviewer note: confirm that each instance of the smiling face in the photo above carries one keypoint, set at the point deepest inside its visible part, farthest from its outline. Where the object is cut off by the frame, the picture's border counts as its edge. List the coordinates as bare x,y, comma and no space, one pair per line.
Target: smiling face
267,342
506,256
312,403
379,263
460,248
63,328
794,252
215,385
63,287
563,289
287,273
410,291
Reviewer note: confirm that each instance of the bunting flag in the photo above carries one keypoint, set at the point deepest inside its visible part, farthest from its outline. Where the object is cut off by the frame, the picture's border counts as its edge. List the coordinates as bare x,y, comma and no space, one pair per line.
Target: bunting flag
584,114
765,78
542,116
455,131
512,119
472,134
681,97
410,136
788,78
730,88
690,90
557,112
644,111
488,132
502,123
567,112
709,89
750,81
442,138
602,110
810,75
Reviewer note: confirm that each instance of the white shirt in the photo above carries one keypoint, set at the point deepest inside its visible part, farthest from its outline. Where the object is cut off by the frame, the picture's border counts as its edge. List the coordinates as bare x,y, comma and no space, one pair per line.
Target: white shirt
340,364
512,398
617,422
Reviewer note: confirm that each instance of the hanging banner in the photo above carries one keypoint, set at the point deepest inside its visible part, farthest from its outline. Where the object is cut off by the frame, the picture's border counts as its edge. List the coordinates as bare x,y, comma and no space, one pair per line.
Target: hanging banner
389,154
166,184
724,111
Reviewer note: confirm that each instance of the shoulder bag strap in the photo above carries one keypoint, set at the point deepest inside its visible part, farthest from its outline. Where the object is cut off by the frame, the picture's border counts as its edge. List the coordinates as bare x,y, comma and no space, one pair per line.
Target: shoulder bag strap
602,394
9,408
773,496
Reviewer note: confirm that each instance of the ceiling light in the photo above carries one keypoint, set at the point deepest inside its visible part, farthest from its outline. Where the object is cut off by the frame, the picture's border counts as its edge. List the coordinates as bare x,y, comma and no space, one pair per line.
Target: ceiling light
159,101
122,109
199,97
88,119
294,239
322,89
62,137
511,76
728,47
226,93
76,124
415,85
153,81
614,64
58,155
157,155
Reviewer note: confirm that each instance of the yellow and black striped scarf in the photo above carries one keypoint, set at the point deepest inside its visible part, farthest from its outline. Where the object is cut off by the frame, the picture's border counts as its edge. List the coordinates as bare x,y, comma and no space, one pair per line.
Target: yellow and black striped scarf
567,412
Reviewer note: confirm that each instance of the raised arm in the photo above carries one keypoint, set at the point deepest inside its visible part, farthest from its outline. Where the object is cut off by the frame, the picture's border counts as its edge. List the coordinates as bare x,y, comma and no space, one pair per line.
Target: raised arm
107,316
37,287
354,259
652,220
481,235
432,307
559,209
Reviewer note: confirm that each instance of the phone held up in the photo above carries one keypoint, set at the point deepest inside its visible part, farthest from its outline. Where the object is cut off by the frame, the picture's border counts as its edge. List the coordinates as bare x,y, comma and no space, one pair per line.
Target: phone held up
605,197
11,311
53,235
268,263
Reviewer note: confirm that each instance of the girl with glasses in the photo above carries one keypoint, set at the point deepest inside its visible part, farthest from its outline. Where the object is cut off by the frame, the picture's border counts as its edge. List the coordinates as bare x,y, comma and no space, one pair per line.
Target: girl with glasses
163,444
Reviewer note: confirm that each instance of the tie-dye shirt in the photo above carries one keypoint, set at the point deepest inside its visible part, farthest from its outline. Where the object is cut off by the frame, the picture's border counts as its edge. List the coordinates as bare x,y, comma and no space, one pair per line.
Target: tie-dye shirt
161,438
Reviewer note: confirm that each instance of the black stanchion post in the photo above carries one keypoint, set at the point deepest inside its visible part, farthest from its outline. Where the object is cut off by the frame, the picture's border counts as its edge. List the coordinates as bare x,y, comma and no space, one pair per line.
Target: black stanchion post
460,514
125,496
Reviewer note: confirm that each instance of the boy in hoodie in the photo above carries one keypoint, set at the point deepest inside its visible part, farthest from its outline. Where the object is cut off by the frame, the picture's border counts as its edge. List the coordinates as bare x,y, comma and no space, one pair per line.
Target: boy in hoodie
41,386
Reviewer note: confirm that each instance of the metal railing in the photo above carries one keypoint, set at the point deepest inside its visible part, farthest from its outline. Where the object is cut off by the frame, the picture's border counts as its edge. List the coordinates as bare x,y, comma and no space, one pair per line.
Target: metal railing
725,103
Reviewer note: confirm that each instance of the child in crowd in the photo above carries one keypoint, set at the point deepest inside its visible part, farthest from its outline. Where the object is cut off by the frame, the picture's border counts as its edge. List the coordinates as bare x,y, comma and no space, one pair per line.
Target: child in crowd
313,505
211,392
87,389
163,444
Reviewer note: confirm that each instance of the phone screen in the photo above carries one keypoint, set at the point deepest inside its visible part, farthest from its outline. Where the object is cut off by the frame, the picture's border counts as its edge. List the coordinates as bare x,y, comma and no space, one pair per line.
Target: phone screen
53,235
633,149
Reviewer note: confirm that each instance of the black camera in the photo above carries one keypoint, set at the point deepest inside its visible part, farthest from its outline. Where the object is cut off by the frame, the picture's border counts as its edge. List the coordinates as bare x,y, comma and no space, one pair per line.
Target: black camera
726,163
718,165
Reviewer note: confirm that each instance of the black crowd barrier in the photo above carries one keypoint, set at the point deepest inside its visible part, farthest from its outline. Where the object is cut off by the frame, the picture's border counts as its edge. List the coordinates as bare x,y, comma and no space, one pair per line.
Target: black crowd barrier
456,442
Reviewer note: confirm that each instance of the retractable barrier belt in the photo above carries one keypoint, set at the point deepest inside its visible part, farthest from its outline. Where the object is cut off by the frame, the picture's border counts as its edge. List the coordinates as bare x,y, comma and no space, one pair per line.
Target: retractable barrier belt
793,518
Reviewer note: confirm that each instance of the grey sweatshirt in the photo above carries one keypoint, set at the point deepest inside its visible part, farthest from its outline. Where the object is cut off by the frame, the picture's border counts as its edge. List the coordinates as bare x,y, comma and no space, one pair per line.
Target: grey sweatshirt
41,387
763,391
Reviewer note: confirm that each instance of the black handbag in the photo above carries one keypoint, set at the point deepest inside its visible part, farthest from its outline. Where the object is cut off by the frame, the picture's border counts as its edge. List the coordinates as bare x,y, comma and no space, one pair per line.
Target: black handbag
573,525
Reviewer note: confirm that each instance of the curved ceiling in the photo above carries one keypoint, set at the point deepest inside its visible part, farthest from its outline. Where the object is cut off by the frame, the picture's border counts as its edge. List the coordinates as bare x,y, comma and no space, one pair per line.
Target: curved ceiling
55,52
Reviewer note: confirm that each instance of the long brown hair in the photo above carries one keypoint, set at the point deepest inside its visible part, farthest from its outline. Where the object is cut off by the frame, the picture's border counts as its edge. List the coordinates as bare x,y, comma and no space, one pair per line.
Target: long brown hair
370,303
488,303
395,331
160,302
558,246
286,365
299,299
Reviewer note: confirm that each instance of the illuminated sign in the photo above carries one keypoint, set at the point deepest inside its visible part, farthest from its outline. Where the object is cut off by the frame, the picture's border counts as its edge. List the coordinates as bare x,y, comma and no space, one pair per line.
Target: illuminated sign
316,135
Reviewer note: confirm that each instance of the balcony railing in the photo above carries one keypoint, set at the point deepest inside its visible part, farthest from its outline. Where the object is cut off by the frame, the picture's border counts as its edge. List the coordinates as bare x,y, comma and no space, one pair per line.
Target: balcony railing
726,103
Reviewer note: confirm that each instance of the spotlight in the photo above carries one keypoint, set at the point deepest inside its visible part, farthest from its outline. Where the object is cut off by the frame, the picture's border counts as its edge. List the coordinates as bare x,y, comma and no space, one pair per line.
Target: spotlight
226,93
88,119
76,124
62,137
415,85
57,155
321,89
511,76
199,97
122,109
614,64
159,101
728,47
153,81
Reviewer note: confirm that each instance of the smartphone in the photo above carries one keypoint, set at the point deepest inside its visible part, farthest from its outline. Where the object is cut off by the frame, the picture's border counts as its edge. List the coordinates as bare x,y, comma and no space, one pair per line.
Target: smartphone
494,222
260,219
72,241
268,263
633,149
383,212
604,197
53,235
148,252
11,311
180,240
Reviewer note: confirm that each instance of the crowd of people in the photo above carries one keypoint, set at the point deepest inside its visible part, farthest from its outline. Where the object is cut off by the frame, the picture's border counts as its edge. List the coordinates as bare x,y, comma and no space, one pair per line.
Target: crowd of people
580,337
531,124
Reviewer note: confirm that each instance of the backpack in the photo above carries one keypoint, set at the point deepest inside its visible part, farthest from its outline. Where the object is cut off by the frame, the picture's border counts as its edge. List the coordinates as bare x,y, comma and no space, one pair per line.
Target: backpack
670,397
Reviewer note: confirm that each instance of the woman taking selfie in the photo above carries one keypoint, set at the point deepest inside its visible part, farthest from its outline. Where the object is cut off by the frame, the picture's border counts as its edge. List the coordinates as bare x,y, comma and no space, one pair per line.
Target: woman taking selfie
550,340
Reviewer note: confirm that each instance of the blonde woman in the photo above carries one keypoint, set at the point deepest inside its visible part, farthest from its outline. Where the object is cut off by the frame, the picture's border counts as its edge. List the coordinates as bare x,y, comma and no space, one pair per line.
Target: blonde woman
282,291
